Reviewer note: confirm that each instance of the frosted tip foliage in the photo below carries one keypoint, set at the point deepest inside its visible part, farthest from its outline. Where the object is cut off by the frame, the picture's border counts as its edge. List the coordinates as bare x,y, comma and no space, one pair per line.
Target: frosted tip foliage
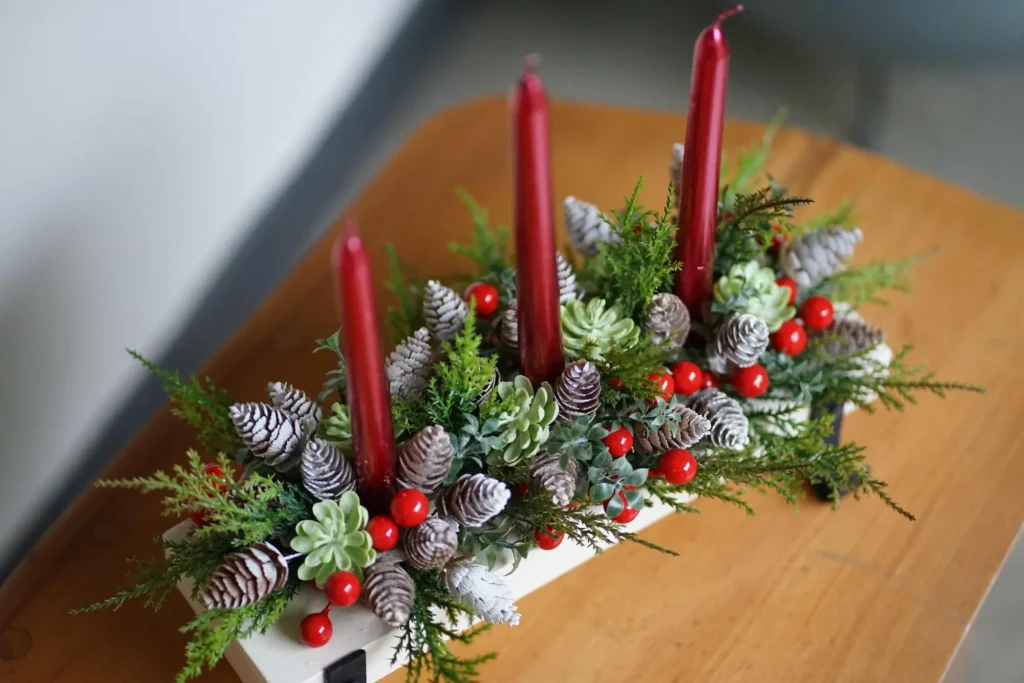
474,499
667,322
818,255
424,460
326,472
431,544
244,577
389,592
410,365
578,391
587,229
742,339
444,311
729,426
484,592
567,290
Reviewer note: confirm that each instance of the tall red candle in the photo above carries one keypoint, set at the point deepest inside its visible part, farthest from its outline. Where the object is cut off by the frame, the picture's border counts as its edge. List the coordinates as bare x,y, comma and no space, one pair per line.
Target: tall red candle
540,329
373,438
698,182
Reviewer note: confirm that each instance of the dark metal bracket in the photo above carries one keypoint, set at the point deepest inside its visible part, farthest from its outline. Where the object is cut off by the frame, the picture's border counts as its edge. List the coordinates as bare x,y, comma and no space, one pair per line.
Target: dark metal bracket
349,669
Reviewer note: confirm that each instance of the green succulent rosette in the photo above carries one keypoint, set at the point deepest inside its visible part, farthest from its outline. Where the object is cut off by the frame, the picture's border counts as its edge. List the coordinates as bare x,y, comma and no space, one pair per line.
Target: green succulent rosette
750,288
526,426
337,427
594,327
336,540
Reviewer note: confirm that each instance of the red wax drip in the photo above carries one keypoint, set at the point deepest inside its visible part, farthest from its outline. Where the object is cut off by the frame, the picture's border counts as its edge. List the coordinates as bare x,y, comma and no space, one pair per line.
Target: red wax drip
540,333
698,182
373,439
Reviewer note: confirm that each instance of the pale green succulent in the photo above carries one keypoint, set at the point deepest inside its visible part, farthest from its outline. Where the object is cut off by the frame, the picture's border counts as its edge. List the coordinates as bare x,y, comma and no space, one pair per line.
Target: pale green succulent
336,540
525,429
750,288
337,428
594,328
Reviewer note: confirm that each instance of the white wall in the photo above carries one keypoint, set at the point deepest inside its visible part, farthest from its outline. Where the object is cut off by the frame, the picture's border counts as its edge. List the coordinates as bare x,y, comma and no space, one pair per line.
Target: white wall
138,141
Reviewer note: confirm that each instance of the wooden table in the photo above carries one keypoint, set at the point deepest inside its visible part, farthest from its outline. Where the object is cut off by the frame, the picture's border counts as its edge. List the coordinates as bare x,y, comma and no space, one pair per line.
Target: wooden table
862,595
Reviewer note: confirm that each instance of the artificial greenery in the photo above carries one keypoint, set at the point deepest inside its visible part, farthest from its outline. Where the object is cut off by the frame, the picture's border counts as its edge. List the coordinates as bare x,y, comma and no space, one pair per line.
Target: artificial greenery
750,163
335,540
408,290
746,232
861,285
591,329
460,380
749,287
335,381
524,429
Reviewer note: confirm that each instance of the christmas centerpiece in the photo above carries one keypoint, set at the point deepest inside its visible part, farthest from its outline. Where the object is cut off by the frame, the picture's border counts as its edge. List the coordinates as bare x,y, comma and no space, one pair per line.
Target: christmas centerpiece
702,349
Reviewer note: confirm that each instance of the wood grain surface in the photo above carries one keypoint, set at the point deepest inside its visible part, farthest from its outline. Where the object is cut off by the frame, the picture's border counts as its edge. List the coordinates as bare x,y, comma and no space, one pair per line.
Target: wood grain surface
859,595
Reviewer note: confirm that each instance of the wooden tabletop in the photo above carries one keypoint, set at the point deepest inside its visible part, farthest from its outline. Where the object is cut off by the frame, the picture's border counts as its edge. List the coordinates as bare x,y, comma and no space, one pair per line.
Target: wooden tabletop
859,595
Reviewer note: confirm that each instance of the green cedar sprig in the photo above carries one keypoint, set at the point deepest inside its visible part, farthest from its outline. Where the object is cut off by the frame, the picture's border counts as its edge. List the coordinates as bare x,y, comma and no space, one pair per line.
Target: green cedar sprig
747,235
625,374
461,379
488,248
201,405
749,164
336,377
408,316
861,285
433,625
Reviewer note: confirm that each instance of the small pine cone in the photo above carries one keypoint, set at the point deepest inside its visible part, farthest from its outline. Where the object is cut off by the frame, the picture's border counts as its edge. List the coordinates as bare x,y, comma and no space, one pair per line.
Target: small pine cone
578,391
846,337
818,255
510,328
444,311
431,544
244,577
294,402
729,426
424,460
567,290
668,321
718,364
484,592
587,230
546,474
742,339
272,434
474,499
326,472
389,592
675,171
410,365
688,429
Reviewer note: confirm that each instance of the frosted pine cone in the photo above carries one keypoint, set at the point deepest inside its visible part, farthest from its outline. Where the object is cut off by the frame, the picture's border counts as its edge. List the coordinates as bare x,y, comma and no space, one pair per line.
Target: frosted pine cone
410,365
444,311
509,331
295,402
742,339
578,391
668,321
326,472
431,544
717,363
424,460
389,592
729,426
244,577
848,336
474,499
272,435
682,432
567,290
675,171
485,593
818,255
587,230
546,474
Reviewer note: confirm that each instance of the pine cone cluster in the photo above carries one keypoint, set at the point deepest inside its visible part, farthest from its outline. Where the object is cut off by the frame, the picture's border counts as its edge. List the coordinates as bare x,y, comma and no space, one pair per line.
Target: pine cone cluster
818,255
389,592
411,365
546,474
294,402
742,339
272,435
326,472
729,426
849,336
485,593
473,500
244,577
444,311
424,460
509,329
567,289
587,230
578,391
668,321
684,431
431,544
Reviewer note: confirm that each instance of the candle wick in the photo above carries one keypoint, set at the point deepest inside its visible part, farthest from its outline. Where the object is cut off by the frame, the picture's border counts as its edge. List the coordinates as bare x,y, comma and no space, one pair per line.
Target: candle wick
726,14
531,64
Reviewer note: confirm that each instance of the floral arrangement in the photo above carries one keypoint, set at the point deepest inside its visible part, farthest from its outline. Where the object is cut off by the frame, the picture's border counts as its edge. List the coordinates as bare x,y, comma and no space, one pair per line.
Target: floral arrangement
650,406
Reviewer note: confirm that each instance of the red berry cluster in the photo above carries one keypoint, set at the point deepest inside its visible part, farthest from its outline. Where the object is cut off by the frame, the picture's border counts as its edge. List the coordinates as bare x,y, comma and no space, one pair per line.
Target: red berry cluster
342,590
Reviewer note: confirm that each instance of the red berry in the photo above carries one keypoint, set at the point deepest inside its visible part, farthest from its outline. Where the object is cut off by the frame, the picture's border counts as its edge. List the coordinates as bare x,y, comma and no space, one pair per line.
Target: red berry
778,238
677,466
200,517
619,442
409,508
521,489
817,313
728,216
342,588
750,382
664,385
316,629
655,473
214,471
383,532
549,539
687,376
791,338
710,381
628,514
485,296
617,383
790,285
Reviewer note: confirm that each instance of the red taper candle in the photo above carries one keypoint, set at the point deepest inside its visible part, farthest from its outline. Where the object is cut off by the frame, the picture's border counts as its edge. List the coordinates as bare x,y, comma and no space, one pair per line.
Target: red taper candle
702,157
373,438
540,328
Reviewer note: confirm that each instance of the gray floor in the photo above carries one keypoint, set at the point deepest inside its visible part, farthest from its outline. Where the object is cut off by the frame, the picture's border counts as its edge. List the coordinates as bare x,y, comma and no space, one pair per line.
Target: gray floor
961,123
